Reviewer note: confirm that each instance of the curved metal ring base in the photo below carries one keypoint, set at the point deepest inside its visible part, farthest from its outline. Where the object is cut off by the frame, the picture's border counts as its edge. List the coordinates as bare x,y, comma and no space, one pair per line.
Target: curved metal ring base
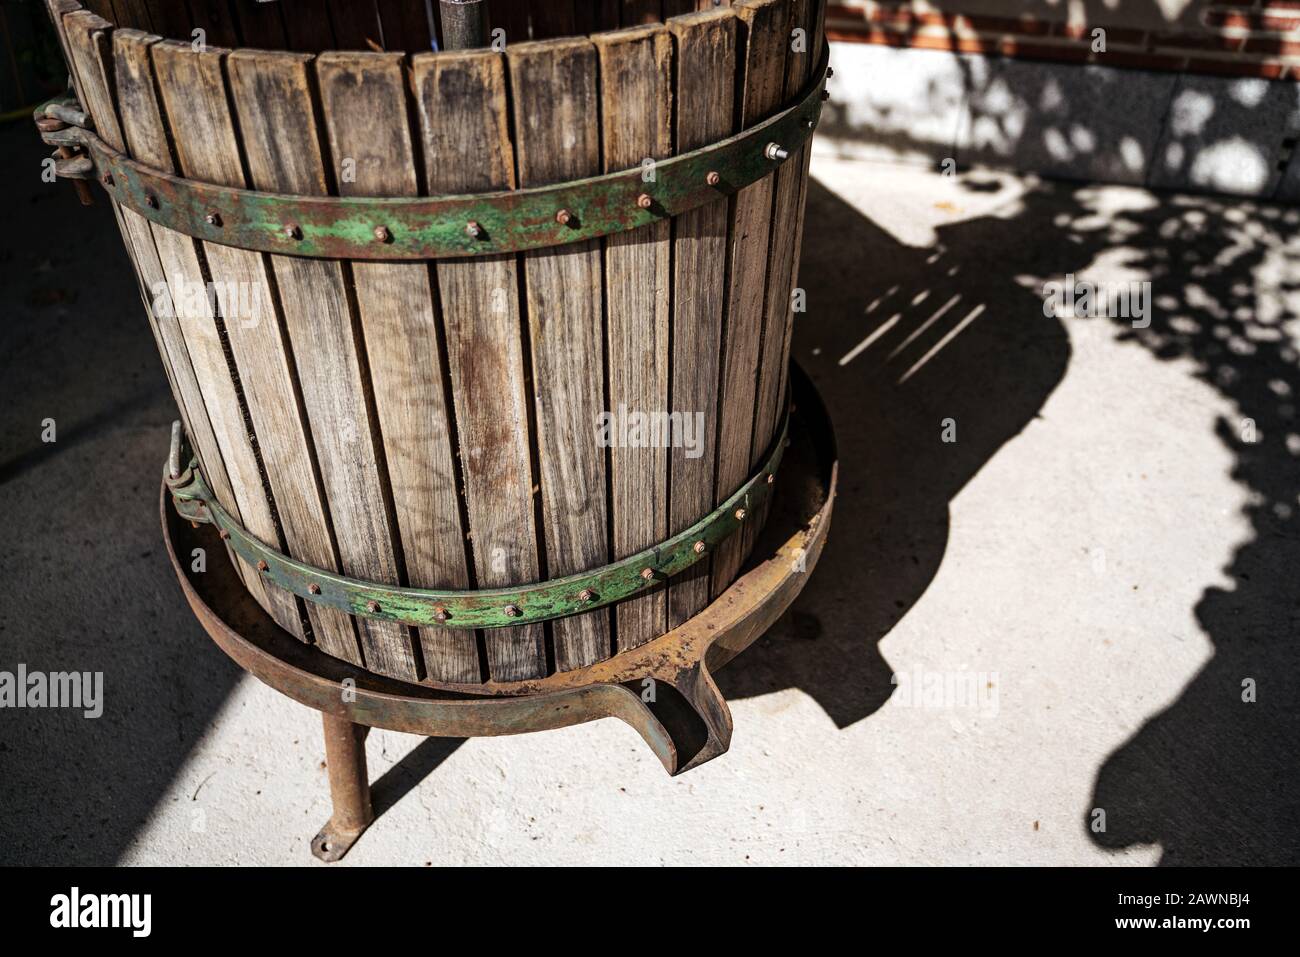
664,688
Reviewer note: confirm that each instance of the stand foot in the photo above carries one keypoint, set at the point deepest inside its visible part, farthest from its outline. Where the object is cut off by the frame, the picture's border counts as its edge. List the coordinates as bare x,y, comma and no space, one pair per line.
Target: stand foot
345,757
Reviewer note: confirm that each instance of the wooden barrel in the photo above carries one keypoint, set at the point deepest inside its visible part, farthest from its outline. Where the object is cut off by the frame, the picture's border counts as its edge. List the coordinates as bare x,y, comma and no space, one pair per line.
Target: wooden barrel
463,422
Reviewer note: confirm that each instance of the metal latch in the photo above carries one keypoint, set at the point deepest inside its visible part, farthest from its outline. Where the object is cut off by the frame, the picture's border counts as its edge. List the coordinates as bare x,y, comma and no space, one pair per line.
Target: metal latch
53,119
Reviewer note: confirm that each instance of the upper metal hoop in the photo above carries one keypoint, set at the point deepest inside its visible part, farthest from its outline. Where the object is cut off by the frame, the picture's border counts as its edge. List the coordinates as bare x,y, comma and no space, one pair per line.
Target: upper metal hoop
437,227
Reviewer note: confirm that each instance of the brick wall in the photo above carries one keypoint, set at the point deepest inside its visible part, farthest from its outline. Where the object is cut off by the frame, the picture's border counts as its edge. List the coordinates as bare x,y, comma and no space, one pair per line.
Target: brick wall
1248,38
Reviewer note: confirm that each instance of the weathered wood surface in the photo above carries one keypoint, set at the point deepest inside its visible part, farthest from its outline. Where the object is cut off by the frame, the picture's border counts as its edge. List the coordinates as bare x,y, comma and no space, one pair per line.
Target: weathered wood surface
636,113
706,80
555,104
763,34
461,104
271,94
364,101
196,110
436,424
193,332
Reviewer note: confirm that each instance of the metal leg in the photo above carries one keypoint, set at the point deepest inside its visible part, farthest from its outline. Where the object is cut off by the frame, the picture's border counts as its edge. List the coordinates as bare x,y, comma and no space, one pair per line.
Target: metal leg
345,757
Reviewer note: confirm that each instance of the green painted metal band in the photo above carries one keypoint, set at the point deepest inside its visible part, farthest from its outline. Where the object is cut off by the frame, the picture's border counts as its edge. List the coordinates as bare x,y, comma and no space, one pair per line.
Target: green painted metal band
438,227
489,608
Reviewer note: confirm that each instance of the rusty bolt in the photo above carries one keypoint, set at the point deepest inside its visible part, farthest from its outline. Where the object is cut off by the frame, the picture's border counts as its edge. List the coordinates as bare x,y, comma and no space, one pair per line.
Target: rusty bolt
314,588
644,201
699,548
383,235
714,178
291,231
830,72
262,566
513,611
586,595
151,201
740,514
212,219
648,574
826,95
372,606
473,229
774,151
563,217
107,179
440,614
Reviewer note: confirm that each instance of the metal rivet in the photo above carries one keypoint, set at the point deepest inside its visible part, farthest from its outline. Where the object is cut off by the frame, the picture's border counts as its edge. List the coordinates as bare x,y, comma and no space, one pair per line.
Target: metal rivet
714,178
771,479
810,122
563,217
212,219
223,534
372,606
648,574
512,611
774,151
473,229
314,588
292,231
151,201
383,235
107,179
644,201
440,614
699,548
740,514
262,566
586,595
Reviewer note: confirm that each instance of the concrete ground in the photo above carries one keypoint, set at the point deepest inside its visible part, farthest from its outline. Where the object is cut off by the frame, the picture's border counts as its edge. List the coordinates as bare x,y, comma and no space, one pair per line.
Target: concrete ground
1104,554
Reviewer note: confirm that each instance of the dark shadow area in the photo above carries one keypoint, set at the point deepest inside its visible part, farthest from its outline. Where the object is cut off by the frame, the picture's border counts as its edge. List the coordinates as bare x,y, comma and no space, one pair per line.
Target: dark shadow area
1211,778
405,776
85,584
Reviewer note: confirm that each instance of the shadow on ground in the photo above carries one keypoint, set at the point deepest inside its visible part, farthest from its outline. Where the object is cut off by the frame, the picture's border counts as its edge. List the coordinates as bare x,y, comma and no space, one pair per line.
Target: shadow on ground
950,335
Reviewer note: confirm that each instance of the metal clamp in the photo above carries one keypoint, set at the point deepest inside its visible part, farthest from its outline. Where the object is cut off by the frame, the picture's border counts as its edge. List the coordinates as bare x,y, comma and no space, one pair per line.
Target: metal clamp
63,124
488,608
422,227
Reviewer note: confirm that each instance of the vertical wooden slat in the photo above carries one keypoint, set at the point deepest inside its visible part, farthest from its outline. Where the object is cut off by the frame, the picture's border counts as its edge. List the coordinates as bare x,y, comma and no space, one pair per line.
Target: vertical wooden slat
356,24
706,81
272,99
364,103
640,12
636,116
780,269
593,16
215,19
307,26
406,25
132,13
554,98
197,113
192,334
169,18
553,18
461,101
260,24
815,48
510,16
762,27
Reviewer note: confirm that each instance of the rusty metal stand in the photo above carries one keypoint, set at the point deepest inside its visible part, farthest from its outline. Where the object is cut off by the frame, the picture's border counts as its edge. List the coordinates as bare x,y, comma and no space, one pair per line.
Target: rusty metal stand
664,689
345,758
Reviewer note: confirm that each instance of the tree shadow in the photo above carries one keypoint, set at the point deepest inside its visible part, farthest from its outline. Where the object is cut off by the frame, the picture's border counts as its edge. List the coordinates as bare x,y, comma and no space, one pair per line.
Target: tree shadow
1210,778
